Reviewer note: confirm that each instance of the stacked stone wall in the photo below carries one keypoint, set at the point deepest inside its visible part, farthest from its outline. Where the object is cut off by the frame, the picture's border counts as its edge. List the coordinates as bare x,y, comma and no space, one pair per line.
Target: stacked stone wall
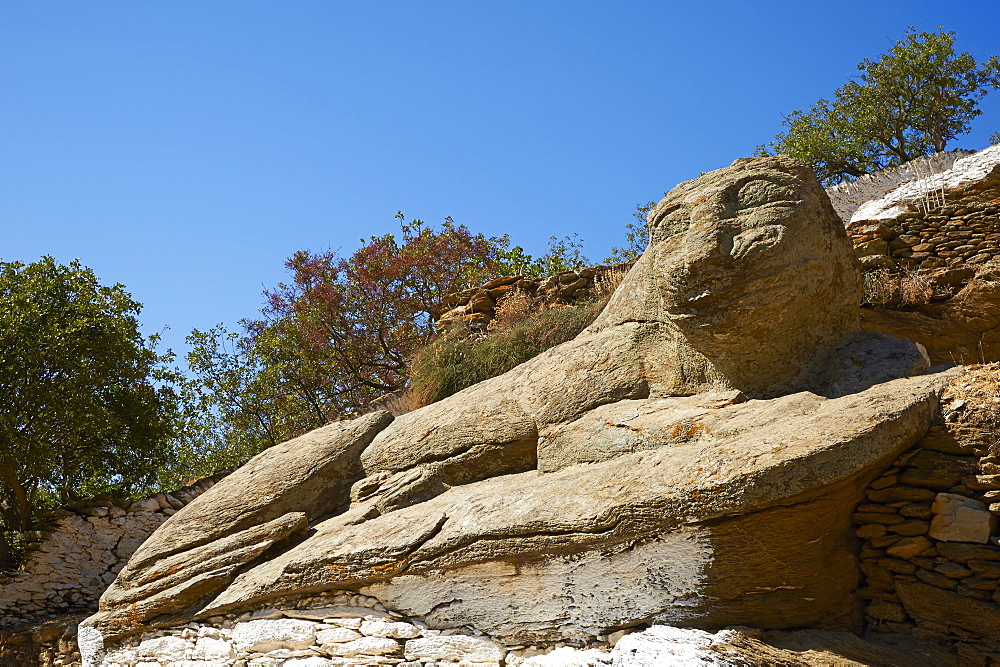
80,549
337,628
477,307
929,553
948,236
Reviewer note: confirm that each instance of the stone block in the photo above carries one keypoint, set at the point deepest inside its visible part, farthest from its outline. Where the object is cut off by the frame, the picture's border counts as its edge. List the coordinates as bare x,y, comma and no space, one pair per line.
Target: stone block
895,494
961,519
337,636
910,528
209,648
962,553
373,646
937,579
388,629
909,547
453,648
164,648
886,611
271,634
885,518
870,530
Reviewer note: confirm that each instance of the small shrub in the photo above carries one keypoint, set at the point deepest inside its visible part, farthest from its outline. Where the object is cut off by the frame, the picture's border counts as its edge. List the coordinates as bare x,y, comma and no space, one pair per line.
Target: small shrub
883,289
513,308
459,359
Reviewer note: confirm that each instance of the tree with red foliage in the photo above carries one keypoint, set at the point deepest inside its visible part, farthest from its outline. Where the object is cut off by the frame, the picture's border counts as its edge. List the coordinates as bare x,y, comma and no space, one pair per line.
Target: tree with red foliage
340,333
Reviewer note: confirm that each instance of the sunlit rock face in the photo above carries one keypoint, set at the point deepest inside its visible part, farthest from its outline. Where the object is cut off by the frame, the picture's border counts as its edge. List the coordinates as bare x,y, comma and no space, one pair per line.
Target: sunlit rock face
692,457
752,275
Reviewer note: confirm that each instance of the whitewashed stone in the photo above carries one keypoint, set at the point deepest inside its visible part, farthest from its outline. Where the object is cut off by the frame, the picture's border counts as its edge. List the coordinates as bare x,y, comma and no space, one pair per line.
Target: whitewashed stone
209,648
454,648
395,630
337,636
374,646
961,519
664,645
353,623
314,661
125,656
164,648
270,634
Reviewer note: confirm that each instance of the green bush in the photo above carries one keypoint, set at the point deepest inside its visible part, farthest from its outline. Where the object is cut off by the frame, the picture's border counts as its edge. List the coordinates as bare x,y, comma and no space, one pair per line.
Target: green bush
458,359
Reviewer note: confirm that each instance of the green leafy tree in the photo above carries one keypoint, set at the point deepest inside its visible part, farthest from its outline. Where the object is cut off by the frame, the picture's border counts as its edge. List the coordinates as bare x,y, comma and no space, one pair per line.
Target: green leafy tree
85,407
912,101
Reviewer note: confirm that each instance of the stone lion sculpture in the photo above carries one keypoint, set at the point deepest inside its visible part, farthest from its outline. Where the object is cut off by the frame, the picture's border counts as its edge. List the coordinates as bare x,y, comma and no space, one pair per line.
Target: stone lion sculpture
656,468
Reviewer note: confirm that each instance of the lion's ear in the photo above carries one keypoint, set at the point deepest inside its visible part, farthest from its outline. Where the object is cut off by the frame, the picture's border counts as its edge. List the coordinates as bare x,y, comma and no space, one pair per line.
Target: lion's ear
756,240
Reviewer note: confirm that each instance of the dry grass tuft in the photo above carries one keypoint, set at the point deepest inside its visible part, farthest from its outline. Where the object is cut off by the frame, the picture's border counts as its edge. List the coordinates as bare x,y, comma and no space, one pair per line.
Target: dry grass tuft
513,308
884,289
974,397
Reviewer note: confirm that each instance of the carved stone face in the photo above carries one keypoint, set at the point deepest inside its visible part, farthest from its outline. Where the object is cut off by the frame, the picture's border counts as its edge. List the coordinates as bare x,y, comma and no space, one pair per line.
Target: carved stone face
750,243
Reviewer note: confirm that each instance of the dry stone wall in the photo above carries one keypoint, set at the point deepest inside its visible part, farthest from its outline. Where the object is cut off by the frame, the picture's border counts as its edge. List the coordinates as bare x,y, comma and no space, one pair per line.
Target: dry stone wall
477,307
80,550
948,236
338,628
929,525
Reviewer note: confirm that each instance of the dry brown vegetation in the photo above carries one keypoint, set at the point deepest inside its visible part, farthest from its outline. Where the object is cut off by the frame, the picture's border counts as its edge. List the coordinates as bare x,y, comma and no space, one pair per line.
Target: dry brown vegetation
905,289
974,397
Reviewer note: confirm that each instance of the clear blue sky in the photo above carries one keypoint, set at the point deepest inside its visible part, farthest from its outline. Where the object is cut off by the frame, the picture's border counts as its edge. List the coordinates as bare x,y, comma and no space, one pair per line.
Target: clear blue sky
186,148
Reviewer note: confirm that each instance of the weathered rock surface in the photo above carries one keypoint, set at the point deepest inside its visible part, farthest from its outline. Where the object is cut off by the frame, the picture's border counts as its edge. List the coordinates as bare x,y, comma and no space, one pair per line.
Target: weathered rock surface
199,550
666,466
308,474
961,519
518,555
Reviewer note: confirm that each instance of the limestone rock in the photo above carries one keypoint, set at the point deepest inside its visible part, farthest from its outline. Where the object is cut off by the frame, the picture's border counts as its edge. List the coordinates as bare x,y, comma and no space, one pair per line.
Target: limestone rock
568,657
737,262
365,646
337,636
664,645
389,629
490,557
170,585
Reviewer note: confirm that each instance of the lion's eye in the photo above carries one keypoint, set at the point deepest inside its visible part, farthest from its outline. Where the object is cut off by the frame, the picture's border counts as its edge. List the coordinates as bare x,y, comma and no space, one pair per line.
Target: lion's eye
760,192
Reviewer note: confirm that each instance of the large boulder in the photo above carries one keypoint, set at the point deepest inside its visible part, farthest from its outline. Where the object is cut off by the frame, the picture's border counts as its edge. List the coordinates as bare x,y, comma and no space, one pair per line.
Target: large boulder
273,497
692,457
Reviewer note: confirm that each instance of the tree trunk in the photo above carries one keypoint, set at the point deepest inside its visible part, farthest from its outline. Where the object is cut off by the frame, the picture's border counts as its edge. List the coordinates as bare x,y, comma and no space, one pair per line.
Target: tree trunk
7,561
18,514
